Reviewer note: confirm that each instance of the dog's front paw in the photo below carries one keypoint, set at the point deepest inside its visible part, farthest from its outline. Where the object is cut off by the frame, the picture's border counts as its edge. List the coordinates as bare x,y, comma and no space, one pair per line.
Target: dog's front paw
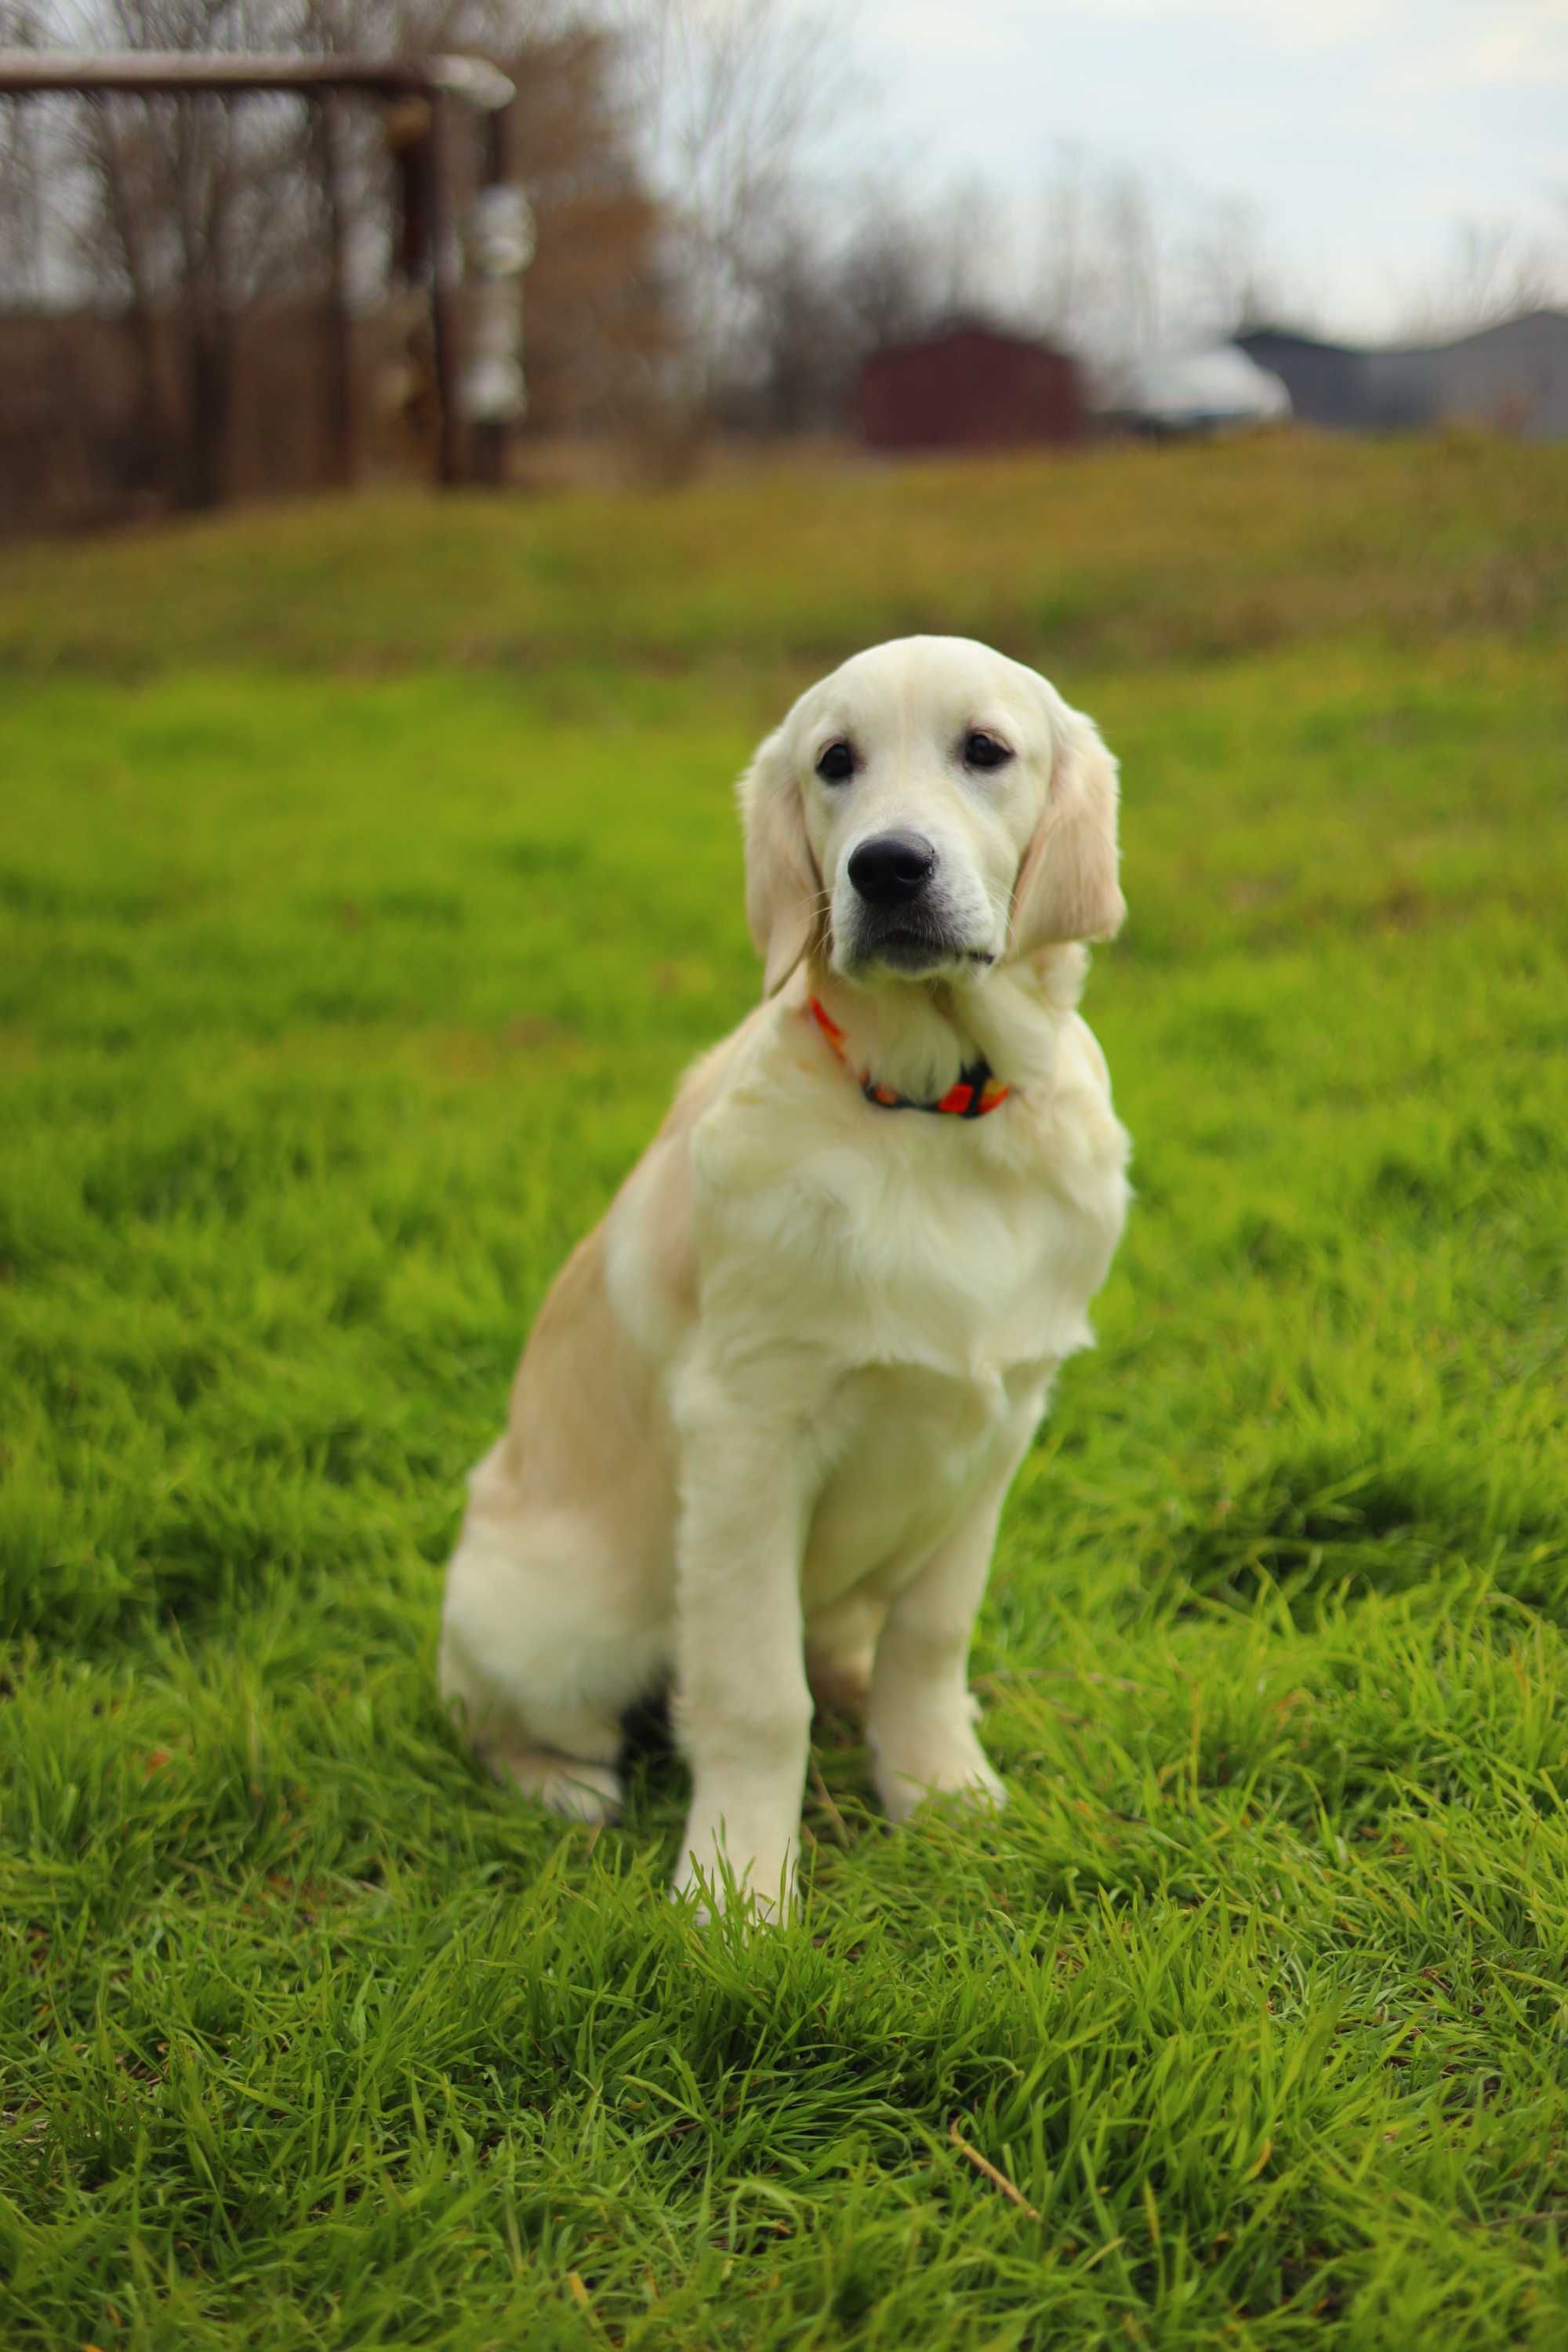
761,1886
910,1772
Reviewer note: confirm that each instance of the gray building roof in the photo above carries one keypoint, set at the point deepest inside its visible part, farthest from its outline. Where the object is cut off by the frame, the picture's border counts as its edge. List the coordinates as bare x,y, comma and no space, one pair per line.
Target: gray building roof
1513,376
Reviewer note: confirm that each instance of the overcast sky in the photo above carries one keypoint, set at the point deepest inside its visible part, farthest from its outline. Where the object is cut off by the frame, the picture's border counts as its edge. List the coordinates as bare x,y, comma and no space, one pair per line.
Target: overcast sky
1360,131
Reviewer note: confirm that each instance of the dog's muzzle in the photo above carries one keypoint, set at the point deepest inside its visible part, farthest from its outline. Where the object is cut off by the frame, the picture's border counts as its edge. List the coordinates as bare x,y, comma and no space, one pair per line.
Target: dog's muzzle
904,918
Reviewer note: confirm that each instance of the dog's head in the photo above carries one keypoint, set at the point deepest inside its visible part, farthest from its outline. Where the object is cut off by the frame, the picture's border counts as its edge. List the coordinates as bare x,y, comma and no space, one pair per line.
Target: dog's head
926,812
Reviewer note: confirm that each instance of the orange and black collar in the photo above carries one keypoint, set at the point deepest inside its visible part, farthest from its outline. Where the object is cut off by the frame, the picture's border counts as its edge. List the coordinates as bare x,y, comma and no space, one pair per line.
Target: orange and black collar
978,1091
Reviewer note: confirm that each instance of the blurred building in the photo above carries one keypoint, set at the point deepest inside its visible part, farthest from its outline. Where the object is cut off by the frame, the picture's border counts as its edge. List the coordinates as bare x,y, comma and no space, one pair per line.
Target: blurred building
1215,391
968,385
1513,377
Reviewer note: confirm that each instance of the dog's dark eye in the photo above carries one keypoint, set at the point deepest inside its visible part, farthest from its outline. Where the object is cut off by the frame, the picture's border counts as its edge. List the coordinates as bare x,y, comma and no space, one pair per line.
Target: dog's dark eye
836,765
982,751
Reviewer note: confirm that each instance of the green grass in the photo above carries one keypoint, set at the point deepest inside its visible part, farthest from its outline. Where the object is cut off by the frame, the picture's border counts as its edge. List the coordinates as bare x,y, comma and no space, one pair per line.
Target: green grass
366,874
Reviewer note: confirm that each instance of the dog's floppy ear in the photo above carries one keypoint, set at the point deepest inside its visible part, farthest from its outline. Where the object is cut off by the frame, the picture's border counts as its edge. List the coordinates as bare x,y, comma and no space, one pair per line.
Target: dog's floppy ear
1067,886
784,888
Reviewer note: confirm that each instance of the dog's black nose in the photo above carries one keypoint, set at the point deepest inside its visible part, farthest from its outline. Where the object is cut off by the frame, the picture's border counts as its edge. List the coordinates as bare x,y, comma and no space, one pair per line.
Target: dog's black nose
892,868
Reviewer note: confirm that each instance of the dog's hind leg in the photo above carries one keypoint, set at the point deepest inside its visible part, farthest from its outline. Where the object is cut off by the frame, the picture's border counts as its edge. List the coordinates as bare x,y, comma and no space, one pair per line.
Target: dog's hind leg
538,1669
840,1647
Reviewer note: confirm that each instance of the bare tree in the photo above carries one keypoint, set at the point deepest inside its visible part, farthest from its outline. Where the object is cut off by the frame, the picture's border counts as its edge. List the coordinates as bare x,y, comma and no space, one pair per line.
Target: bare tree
893,287
1494,270
21,173
184,208
1227,279
1130,266
833,291
740,106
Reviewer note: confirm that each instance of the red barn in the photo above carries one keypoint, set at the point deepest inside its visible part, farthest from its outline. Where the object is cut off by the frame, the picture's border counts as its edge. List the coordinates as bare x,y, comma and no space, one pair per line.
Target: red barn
969,386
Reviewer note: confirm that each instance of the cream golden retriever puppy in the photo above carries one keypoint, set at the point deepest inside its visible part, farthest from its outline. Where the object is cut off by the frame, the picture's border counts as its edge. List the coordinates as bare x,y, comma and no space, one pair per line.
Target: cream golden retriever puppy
765,1423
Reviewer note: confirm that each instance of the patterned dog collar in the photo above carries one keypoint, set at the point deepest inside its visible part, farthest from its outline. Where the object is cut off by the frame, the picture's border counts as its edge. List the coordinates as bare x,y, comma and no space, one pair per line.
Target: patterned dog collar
976,1093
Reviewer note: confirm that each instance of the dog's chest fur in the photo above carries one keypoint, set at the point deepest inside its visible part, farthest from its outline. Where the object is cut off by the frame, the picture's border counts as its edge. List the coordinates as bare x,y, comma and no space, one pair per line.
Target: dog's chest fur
965,1248
896,1287
927,1275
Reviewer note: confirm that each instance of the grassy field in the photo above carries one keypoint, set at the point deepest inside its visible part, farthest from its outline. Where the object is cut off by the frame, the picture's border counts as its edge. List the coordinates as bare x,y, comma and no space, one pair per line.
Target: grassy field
367,873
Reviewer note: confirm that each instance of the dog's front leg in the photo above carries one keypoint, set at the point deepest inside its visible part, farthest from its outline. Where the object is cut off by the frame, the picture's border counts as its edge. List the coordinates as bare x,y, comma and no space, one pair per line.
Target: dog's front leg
742,1708
921,1718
